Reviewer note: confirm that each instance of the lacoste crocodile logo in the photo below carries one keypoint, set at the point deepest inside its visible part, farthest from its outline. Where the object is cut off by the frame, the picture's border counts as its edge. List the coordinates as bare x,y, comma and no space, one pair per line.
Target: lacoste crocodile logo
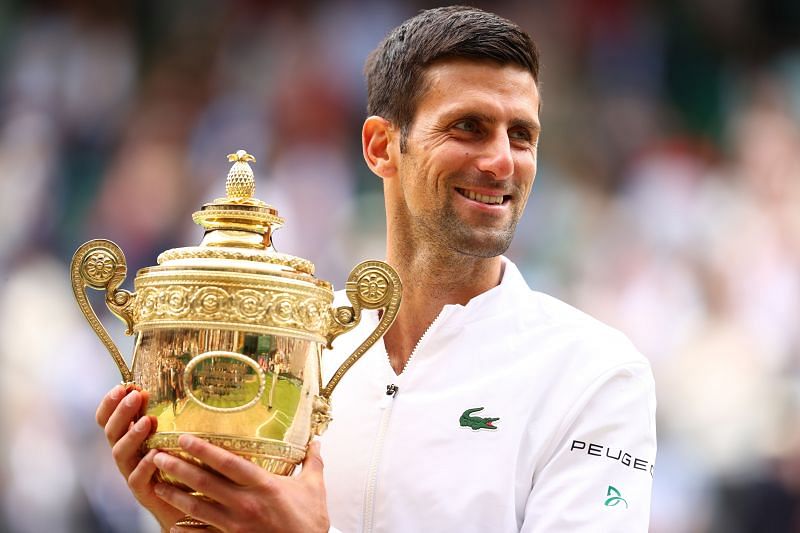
476,422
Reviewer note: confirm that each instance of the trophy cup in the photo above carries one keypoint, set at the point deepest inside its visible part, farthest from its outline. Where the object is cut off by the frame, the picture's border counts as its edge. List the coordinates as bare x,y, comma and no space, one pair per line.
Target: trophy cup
229,334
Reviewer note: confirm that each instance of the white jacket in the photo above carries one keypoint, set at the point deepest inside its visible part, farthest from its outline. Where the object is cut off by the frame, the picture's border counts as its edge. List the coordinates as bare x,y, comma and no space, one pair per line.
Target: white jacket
574,441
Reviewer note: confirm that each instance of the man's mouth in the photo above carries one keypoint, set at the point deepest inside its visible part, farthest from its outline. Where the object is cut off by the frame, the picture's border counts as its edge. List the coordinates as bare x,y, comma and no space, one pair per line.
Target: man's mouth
483,198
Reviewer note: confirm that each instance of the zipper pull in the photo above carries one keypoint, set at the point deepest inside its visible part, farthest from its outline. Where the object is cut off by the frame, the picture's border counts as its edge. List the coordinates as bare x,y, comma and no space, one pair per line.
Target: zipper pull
391,392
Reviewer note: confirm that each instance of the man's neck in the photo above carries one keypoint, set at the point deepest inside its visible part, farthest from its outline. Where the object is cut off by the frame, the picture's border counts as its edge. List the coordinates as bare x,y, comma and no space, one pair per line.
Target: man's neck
431,281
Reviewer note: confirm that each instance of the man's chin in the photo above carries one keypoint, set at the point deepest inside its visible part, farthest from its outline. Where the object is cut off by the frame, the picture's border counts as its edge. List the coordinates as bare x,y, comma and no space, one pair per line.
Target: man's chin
483,246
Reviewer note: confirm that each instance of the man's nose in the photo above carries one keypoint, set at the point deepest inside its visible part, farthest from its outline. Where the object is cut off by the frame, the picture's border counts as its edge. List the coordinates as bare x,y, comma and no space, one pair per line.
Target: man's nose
496,157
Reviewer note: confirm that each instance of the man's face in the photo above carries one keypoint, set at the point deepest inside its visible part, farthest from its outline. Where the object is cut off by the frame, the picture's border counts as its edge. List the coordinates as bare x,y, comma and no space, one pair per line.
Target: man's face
470,161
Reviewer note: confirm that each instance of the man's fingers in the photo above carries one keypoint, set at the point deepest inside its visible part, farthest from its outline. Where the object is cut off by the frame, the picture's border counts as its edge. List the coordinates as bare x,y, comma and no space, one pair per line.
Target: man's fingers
108,404
127,451
120,420
194,506
230,465
191,475
141,476
312,464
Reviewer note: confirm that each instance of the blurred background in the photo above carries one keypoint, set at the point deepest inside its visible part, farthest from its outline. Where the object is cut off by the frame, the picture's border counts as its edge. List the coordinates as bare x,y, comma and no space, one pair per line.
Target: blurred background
667,203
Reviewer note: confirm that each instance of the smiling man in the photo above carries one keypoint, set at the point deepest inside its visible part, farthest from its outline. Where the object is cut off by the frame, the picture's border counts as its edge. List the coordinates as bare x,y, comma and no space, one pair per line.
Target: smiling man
466,416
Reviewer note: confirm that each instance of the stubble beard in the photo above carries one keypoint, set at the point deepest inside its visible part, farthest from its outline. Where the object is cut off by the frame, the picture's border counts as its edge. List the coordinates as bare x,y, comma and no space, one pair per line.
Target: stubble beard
449,234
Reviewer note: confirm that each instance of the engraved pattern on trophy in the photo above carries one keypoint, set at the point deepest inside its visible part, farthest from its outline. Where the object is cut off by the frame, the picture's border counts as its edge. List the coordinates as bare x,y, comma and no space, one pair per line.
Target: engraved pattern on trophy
373,286
249,303
233,305
98,267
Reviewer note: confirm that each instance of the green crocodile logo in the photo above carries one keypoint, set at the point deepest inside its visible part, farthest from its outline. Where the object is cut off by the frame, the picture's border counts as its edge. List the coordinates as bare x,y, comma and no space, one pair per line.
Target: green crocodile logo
476,422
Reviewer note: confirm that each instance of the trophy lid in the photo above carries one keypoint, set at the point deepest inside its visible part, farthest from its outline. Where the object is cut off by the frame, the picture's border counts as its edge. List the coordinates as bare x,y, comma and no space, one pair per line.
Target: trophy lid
238,232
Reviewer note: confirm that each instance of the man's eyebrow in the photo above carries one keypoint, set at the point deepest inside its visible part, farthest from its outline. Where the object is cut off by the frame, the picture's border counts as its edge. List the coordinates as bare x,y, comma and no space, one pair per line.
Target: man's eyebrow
527,124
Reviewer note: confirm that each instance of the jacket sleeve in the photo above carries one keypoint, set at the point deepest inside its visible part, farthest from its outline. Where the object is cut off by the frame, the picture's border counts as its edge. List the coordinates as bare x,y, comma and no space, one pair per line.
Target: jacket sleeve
597,473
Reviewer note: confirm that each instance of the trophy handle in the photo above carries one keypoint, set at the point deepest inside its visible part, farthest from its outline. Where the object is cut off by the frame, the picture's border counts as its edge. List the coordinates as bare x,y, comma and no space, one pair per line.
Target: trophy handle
371,285
100,264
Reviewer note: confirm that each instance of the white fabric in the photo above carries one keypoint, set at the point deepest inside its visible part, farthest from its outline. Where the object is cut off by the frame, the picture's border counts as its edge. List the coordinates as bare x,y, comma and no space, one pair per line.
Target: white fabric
576,408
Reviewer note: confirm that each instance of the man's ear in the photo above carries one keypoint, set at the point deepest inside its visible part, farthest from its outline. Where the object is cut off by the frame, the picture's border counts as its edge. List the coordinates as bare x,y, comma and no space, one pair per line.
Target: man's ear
377,136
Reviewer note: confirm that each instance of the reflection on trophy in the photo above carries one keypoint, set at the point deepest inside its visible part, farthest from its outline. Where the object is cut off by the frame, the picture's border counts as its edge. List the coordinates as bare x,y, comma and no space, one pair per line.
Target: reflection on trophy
229,334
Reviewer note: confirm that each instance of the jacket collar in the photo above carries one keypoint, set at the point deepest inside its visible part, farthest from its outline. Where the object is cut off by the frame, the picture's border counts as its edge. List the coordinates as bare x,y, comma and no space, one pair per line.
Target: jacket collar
496,300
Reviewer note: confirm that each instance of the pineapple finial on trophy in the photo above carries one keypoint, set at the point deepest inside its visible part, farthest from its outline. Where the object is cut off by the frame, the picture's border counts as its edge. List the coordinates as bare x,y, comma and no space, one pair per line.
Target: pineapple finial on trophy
240,211
240,183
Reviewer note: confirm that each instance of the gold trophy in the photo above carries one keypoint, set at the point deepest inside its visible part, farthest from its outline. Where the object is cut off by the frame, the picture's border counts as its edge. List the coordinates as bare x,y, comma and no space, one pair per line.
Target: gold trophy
229,334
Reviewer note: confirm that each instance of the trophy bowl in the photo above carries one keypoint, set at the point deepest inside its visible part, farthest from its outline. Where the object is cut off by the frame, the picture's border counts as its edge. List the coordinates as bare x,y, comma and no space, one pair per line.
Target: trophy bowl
229,334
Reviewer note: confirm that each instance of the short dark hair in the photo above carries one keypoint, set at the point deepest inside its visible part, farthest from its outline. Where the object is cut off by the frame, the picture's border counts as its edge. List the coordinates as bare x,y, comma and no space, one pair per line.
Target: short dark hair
395,70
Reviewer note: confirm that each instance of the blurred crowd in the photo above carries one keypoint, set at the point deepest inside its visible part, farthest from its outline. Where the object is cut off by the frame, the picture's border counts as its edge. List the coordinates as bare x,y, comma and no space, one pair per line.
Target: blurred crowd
667,204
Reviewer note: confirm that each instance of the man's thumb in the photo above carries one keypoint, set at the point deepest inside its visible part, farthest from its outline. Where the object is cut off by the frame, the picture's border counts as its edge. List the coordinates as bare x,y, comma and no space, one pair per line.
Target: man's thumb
312,464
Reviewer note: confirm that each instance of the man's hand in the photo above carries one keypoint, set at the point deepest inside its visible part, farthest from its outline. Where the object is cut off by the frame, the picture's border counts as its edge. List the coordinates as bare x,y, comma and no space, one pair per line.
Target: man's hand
243,497
117,414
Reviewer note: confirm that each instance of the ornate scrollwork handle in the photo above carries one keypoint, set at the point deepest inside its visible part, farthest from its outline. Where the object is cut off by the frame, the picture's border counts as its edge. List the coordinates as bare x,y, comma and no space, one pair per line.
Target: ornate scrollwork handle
100,264
371,285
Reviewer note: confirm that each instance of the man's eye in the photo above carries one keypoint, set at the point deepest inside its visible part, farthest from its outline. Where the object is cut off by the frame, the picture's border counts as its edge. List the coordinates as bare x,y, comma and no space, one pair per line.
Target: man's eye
520,135
466,125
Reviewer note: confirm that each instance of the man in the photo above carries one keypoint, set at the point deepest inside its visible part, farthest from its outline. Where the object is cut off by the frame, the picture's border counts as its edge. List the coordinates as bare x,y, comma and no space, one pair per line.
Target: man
487,407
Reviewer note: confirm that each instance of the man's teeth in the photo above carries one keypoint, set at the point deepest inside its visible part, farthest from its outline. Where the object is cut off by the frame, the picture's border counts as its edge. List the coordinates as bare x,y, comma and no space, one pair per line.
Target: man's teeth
482,197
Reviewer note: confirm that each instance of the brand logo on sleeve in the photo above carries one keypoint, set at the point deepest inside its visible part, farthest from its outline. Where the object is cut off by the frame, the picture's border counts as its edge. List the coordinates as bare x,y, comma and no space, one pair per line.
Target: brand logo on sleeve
614,498
613,454
467,420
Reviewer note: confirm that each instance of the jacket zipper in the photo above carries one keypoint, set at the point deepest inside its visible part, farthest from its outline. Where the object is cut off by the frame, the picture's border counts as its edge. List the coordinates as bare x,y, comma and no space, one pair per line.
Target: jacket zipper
416,346
386,404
